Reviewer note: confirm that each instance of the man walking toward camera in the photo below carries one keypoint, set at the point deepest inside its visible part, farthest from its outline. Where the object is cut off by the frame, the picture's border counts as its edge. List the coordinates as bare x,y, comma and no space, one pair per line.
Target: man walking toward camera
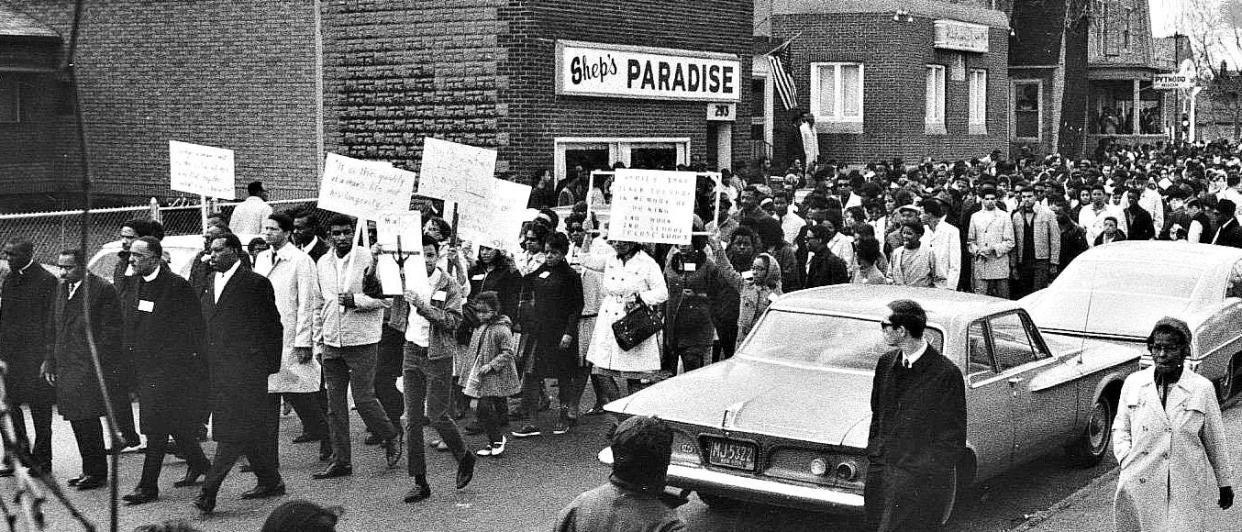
918,427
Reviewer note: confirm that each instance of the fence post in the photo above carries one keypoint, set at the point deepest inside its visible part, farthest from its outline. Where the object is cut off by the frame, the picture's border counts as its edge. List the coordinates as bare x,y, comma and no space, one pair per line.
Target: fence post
154,205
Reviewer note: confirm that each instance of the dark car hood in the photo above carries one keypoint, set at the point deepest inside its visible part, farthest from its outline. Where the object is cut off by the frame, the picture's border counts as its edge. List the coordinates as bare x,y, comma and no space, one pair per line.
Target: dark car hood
1100,312
802,403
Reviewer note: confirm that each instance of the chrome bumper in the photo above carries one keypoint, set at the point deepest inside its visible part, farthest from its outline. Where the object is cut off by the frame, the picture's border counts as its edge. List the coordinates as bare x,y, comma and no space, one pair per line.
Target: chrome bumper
762,491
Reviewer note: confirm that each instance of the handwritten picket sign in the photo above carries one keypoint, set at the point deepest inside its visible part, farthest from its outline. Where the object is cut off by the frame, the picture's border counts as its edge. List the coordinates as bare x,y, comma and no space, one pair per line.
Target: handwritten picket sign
202,170
456,172
652,206
496,222
364,188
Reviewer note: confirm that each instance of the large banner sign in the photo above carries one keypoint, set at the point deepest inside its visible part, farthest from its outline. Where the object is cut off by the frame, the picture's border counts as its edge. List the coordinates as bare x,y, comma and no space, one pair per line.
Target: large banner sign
364,188
201,170
652,206
620,71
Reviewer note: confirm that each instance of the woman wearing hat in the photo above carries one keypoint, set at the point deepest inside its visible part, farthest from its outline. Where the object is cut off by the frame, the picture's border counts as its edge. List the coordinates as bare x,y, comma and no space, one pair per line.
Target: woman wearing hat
1170,441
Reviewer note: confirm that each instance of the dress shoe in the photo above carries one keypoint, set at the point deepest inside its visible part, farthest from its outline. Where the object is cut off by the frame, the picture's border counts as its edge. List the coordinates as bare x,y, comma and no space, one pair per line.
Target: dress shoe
418,493
141,496
306,438
75,480
325,451
90,482
263,492
191,478
334,470
205,503
465,470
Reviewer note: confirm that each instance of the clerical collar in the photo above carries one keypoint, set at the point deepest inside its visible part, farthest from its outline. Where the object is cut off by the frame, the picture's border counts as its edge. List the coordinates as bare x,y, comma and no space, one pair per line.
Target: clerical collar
151,278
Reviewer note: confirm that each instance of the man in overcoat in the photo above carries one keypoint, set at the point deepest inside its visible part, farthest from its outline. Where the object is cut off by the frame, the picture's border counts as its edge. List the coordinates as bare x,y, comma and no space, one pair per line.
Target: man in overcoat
163,331
243,346
69,367
989,240
918,427
26,299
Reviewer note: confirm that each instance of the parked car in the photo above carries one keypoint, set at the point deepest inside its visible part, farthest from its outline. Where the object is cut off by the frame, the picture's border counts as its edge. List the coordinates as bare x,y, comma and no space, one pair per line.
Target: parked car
1118,291
785,421
179,252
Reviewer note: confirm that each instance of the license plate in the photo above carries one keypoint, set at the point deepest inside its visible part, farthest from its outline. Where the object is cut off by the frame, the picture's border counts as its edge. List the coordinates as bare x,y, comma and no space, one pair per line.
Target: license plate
737,455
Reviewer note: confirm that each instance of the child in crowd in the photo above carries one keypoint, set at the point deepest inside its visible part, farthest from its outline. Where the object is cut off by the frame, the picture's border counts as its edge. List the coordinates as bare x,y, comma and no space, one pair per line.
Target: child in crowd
493,376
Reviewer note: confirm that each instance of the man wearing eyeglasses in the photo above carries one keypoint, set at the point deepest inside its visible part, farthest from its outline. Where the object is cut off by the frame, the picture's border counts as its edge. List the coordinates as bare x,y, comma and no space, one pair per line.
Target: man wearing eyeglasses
918,427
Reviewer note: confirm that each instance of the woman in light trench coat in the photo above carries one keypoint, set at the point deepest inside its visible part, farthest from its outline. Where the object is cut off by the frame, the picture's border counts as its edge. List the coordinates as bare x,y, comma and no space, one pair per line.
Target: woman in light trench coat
1170,441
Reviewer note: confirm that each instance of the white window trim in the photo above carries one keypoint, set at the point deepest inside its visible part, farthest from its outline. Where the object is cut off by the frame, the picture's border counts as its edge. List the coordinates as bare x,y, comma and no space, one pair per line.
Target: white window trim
934,117
837,122
977,123
618,149
1013,111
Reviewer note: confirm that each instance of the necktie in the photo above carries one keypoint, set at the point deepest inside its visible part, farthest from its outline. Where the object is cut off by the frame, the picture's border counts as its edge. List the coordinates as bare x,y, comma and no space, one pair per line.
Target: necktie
906,362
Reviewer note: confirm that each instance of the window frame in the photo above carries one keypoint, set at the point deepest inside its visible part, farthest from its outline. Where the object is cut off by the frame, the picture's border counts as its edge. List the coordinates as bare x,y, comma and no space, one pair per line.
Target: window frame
1039,108
977,108
834,120
935,96
1035,341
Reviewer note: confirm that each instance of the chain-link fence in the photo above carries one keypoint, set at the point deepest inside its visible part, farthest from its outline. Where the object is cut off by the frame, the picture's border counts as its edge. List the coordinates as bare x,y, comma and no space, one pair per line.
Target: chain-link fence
52,232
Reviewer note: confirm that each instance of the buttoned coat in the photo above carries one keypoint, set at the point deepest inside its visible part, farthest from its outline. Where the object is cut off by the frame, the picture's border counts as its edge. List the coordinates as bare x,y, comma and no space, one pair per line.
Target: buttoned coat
336,325
989,240
945,243
243,347
1046,232
1173,457
26,304
296,285
164,344
77,389
639,276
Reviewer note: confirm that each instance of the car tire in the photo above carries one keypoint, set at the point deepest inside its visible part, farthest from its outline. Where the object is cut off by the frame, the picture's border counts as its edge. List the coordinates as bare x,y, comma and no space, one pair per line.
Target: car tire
1091,447
716,502
1227,386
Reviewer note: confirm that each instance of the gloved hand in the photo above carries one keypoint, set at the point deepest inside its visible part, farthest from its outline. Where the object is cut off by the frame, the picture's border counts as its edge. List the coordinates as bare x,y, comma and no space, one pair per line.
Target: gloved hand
1226,498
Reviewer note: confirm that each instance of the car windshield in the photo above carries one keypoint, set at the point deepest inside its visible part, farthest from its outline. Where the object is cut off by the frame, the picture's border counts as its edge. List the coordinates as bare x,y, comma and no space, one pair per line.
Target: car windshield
822,340
1167,280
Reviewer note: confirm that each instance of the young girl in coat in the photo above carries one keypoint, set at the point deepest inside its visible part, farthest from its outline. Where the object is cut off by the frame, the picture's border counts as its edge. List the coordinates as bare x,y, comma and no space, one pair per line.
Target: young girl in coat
493,376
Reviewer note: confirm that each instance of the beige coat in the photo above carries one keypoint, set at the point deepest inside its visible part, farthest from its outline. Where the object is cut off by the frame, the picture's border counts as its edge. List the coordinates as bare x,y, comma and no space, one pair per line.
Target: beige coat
336,325
622,282
296,285
1173,459
990,239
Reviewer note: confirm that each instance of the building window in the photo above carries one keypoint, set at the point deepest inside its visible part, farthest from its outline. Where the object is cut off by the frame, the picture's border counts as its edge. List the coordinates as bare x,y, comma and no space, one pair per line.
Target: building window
934,114
837,97
10,100
978,123
580,155
1027,109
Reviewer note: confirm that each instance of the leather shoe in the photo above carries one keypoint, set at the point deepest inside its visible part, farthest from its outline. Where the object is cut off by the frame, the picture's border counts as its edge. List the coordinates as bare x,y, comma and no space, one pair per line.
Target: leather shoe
90,482
141,496
205,503
418,493
191,478
325,451
334,470
263,492
465,469
75,480
306,438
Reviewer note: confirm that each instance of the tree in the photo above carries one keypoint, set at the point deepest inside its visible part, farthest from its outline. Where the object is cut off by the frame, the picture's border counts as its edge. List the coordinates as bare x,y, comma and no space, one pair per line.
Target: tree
1214,28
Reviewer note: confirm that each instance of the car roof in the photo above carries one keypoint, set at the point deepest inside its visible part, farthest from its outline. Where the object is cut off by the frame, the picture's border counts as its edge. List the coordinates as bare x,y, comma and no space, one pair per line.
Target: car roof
1163,251
942,306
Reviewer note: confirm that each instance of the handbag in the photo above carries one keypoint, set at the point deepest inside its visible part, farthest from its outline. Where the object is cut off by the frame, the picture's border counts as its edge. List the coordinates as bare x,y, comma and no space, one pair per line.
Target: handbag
638,324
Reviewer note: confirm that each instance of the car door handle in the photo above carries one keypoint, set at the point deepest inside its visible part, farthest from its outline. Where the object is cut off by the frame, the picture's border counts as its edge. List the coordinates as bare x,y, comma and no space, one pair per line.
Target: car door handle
1014,381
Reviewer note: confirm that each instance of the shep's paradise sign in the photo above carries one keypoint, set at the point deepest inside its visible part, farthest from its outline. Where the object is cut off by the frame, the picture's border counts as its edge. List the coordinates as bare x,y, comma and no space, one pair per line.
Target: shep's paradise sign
620,71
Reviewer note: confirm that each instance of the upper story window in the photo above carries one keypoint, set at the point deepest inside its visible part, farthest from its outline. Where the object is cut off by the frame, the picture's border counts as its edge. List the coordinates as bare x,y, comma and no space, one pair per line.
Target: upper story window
837,97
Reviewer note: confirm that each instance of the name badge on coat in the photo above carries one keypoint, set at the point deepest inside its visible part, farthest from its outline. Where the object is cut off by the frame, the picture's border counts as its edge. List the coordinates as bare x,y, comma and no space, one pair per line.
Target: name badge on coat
146,306
439,295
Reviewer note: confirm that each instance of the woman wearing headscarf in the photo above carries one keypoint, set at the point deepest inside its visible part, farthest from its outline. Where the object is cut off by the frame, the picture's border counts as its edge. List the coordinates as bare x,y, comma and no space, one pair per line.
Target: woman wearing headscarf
756,288
1170,441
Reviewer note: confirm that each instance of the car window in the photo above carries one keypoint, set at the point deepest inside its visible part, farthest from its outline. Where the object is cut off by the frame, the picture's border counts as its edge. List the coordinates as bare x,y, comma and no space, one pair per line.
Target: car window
1011,342
978,352
1234,288
823,340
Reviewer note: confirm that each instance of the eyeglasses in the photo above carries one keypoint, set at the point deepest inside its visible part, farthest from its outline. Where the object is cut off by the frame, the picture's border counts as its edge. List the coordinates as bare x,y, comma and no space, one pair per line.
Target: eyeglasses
1156,349
886,325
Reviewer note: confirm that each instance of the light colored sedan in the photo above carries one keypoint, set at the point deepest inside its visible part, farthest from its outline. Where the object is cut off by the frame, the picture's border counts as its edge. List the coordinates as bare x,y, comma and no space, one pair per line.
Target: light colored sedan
785,421
1118,291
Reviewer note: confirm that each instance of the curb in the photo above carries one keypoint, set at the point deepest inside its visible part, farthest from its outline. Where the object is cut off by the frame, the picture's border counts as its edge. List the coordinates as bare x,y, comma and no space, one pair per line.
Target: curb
1041,516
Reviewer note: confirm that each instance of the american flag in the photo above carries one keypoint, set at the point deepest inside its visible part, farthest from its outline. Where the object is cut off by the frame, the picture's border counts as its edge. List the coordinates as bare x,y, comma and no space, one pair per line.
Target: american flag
785,87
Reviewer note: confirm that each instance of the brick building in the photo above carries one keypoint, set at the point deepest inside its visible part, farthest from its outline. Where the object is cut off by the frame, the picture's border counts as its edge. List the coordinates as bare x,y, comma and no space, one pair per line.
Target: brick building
889,78
282,82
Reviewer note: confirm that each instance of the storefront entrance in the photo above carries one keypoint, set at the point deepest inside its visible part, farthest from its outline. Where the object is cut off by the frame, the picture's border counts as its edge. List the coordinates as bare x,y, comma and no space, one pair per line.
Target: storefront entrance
601,153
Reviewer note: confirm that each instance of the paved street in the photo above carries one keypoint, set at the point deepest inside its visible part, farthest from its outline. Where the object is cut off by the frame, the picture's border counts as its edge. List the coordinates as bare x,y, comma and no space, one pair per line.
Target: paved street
524,489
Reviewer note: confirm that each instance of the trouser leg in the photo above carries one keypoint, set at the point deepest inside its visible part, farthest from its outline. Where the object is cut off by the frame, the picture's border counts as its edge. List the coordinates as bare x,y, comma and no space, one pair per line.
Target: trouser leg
439,375
124,409
693,357
336,376
41,416
571,382
489,411
1000,288
264,462
153,462
387,369
89,436
532,388
308,408
227,454
1041,275
187,443
361,383
415,388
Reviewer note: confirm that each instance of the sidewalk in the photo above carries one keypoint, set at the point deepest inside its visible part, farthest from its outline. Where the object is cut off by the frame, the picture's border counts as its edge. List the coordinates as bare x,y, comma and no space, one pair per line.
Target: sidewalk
1089,509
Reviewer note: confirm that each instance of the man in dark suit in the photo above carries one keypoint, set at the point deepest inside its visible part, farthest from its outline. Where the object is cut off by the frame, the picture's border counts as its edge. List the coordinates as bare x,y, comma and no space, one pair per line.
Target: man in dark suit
918,427
1229,234
307,236
243,347
1137,218
163,330
823,267
26,300
69,367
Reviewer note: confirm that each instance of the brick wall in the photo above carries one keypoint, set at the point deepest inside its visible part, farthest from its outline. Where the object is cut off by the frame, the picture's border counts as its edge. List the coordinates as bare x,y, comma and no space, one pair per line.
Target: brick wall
894,57
237,75
31,149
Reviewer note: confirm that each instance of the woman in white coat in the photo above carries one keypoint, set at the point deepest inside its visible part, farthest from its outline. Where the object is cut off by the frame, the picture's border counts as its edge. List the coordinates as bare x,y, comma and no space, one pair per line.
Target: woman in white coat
1170,441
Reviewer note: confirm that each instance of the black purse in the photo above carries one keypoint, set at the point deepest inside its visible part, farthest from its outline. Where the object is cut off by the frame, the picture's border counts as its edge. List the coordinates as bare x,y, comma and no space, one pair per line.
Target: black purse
639,323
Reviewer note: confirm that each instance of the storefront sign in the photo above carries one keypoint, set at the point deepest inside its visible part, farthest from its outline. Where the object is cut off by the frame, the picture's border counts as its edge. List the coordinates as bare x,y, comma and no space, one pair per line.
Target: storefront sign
1172,81
202,170
721,112
652,206
619,71
963,36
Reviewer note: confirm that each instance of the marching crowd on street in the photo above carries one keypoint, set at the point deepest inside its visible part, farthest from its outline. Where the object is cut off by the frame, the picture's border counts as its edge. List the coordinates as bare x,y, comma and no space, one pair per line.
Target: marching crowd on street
300,317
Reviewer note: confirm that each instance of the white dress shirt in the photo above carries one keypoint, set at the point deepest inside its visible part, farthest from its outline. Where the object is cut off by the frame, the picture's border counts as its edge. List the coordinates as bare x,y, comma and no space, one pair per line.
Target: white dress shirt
222,279
909,360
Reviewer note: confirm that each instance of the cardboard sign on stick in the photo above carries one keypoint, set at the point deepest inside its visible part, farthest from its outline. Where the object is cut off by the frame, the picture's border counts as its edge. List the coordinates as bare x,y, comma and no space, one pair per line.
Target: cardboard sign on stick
652,206
201,170
364,188
455,172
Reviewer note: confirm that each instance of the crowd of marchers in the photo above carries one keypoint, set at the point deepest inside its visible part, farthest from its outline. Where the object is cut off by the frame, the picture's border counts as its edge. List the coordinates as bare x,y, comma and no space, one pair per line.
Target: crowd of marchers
298,315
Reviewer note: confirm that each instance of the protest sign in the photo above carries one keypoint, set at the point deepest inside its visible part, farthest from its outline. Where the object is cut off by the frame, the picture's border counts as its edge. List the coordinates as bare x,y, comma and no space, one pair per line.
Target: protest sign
364,188
201,170
400,238
652,206
496,222
455,172
402,230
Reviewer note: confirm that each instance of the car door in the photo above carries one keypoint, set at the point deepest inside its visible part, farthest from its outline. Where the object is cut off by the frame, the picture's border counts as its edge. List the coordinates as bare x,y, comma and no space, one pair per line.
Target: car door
989,423
1041,417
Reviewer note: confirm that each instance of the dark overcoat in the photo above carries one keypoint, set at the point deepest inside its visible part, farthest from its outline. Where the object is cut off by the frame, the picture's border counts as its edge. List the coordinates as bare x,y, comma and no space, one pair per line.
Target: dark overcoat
243,347
556,292
77,388
162,340
26,301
